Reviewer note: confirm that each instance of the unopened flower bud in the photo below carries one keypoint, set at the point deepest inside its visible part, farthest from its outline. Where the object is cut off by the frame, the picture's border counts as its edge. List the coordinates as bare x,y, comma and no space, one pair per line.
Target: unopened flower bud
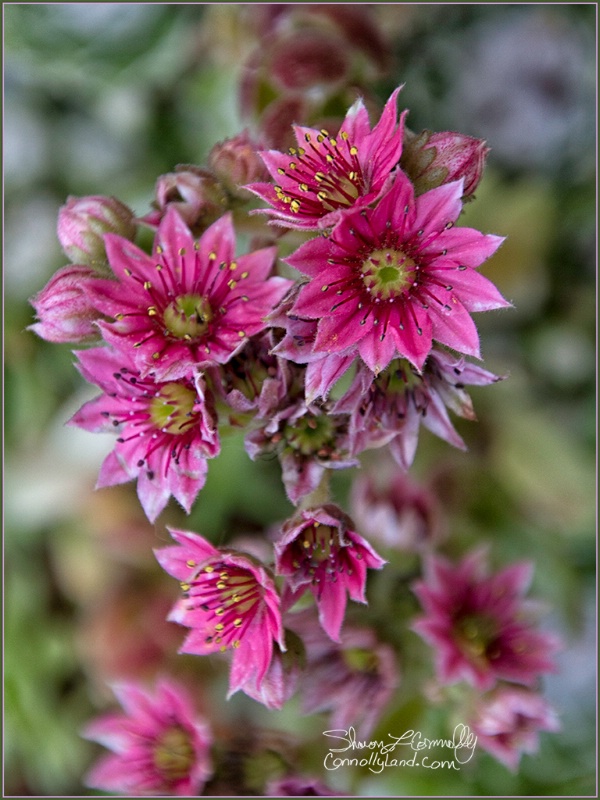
83,221
63,307
196,193
431,159
236,162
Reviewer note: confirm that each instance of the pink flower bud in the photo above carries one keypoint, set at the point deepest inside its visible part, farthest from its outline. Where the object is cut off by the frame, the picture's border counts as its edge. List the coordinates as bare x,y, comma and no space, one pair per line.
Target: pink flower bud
236,162
196,193
63,307
83,221
431,159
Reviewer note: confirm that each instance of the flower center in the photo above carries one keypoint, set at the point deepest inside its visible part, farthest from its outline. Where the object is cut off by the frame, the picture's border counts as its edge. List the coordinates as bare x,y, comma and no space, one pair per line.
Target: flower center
187,317
327,172
387,273
172,410
228,597
310,434
475,633
174,754
358,659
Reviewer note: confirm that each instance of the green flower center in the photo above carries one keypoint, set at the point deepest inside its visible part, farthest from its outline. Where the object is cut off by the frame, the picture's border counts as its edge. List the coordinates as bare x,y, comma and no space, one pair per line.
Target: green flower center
174,754
188,316
310,435
387,273
360,660
316,544
172,410
475,634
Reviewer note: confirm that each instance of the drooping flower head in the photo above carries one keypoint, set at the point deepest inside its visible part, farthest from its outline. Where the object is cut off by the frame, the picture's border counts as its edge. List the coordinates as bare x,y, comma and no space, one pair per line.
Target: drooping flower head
395,511
230,603
319,550
190,303
354,679
390,408
325,175
166,430
159,744
481,627
508,721
393,278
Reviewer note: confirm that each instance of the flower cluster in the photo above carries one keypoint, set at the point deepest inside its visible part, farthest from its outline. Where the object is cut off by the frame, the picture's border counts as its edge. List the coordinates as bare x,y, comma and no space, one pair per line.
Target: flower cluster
189,339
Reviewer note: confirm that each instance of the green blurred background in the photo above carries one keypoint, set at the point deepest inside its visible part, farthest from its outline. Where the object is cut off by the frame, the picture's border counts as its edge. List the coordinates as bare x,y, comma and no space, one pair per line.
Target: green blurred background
101,99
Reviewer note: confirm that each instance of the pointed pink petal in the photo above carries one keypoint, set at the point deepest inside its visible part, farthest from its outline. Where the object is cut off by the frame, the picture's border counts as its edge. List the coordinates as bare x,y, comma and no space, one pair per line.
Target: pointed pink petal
378,347
311,257
474,291
464,245
437,208
455,328
413,339
332,609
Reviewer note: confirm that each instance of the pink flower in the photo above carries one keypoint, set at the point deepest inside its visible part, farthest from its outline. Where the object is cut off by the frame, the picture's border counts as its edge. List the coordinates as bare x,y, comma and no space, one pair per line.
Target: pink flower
354,679
166,431
191,303
64,309
508,721
230,602
480,626
395,511
325,175
307,439
319,550
393,278
83,222
159,746
390,408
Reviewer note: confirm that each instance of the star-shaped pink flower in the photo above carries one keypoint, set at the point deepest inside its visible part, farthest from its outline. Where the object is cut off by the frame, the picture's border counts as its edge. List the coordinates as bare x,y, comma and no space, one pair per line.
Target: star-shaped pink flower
393,278
325,175
190,303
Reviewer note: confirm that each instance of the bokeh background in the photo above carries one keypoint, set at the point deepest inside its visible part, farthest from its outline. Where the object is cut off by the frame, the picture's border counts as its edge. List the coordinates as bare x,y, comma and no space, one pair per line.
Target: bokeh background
103,98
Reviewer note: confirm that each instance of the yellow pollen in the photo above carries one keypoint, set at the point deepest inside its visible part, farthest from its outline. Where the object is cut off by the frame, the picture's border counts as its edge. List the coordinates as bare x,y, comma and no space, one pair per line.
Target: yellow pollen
344,135
292,151
152,311
292,165
281,170
181,251
319,176
244,275
219,626
209,569
306,544
155,356
322,196
147,285
320,138
158,267
295,205
241,334
185,587
212,256
233,265
221,585
159,249
301,151
190,563
119,317
353,151
219,612
237,622
128,272
223,575
235,598
236,643
222,648
333,142
304,187
324,132
307,137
